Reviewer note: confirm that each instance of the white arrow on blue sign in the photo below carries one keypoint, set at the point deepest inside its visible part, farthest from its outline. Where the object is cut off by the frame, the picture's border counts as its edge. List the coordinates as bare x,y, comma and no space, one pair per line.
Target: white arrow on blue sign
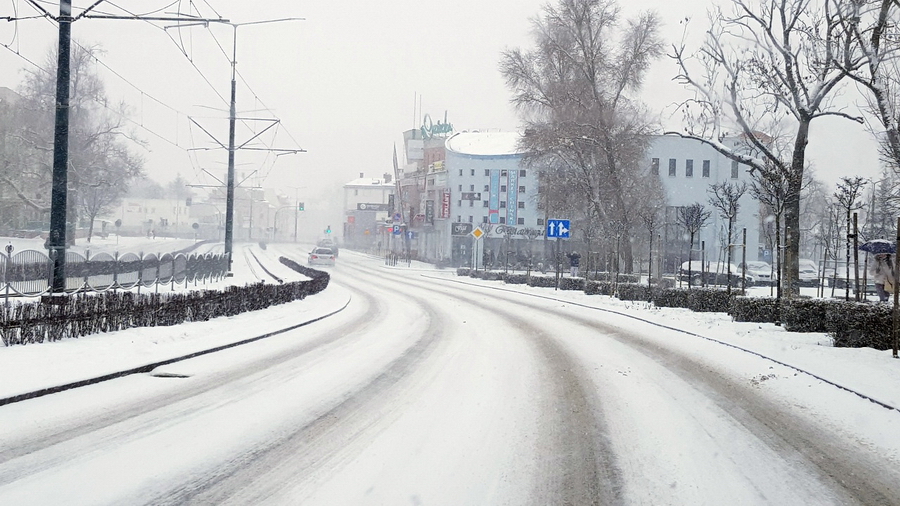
558,229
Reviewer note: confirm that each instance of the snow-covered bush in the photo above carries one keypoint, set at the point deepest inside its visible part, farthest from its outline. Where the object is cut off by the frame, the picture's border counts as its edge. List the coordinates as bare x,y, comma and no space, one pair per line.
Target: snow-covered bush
857,325
805,315
598,287
544,281
633,291
571,283
516,279
754,309
463,271
670,297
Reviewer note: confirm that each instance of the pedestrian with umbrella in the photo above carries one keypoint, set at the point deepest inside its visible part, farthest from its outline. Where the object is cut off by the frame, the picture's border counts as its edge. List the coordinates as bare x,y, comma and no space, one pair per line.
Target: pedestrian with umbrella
882,269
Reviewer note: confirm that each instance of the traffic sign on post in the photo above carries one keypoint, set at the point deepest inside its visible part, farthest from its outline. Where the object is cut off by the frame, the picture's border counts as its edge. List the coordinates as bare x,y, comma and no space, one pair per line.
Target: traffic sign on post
558,229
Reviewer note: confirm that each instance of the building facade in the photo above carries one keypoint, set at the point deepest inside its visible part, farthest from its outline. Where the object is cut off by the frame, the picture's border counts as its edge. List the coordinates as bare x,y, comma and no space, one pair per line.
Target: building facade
487,187
687,168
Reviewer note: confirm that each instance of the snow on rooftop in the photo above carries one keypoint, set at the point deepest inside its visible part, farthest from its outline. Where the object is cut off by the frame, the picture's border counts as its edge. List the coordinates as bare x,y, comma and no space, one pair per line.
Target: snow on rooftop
484,143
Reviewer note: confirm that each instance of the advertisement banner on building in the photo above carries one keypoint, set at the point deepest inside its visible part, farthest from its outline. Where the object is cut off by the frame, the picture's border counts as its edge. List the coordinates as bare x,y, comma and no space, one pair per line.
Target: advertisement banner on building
429,212
494,197
445,203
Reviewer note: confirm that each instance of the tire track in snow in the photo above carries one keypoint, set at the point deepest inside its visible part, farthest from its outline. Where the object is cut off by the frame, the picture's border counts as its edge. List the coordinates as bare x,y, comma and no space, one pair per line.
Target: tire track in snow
854,474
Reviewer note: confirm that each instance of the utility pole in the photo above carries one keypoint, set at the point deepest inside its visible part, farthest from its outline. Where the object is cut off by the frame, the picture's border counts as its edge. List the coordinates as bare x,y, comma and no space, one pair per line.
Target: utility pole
57,240
232,120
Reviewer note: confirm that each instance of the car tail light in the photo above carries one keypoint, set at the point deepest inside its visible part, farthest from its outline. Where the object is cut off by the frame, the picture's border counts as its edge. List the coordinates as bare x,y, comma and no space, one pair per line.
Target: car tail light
314,257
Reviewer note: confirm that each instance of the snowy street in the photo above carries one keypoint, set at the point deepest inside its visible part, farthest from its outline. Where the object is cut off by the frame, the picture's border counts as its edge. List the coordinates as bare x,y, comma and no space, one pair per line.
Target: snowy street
428,388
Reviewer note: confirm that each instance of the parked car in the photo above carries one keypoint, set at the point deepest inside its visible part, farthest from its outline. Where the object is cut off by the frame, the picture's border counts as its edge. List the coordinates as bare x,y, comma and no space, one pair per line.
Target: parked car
761,272
321,256
714,273
809,272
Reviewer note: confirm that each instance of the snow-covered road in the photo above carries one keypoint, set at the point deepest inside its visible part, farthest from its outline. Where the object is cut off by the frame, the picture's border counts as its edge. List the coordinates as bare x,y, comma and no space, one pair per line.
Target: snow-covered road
431,389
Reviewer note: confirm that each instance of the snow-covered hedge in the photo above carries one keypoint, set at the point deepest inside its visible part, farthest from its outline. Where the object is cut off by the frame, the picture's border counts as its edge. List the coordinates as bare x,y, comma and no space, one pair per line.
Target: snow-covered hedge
633,291
598,287
696,299
544,281
754,309
571,284
516,279
805,315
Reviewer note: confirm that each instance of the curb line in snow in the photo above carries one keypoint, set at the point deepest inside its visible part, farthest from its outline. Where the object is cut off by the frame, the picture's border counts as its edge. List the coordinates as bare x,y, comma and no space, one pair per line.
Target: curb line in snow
758,354
149,367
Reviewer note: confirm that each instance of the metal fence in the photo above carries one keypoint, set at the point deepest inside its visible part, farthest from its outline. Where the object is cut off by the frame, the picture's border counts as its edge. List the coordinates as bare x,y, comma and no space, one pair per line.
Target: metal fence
29,272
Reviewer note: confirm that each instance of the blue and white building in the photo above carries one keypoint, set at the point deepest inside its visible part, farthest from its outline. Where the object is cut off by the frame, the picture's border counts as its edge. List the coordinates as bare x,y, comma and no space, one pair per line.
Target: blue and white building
487,187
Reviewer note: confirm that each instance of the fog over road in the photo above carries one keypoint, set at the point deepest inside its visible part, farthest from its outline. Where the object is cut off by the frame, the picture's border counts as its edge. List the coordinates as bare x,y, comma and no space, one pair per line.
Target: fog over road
430,390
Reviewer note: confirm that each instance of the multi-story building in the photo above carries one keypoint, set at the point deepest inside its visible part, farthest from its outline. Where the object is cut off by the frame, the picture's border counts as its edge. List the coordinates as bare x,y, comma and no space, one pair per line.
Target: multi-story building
488,187
687,168
368,204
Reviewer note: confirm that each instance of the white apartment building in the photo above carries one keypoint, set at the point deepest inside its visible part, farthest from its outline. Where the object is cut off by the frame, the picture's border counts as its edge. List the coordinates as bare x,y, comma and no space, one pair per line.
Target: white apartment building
687,169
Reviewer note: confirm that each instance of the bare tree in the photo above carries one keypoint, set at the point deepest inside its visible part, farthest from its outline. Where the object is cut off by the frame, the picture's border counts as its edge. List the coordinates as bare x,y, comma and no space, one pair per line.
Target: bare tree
99,142
693,218
873,63
725,197
766,65
574,91
770,189
846,197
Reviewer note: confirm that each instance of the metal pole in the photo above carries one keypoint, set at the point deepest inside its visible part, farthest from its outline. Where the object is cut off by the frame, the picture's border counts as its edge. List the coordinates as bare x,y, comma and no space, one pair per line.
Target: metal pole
744,266
896,321
57,241
856,255
229,197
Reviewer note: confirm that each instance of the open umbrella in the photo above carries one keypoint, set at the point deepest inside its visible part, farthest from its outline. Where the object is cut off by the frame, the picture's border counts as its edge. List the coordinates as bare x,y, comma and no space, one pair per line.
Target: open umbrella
876,246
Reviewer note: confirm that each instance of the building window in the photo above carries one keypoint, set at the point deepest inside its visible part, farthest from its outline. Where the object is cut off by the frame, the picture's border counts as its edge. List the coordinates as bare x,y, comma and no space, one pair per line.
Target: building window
522,173
521,189
502,204
487,172
503,220
487,187
485,202
502,188
472,172
540,222
459,203
521,205
705,168
502,173
460,186
471,219
471,203
471,187
459,219
520,221
654,166
672,167
734,169
688,168
460,172
484,219
355,192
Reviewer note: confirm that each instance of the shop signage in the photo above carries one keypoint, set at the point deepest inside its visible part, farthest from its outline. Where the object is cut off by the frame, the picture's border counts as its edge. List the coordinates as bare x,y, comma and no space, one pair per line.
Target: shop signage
461,229
471,196
430,129
365,206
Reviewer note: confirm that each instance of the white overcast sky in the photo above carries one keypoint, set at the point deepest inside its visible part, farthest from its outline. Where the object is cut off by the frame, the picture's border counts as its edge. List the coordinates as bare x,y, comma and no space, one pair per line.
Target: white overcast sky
344,81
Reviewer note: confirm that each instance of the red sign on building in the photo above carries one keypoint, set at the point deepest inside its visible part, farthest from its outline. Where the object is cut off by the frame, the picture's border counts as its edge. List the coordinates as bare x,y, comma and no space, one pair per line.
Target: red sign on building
445,203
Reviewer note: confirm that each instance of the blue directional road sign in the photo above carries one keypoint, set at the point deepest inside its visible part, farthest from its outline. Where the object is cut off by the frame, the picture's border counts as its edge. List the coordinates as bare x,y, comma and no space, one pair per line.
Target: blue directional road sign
558,229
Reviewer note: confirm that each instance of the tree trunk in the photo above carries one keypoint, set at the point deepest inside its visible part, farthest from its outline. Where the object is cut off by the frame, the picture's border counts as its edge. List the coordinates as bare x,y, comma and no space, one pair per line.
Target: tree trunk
792,210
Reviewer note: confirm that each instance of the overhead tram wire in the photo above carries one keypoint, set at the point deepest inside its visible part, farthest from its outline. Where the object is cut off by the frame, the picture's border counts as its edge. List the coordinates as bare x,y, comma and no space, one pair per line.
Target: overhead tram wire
143,93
